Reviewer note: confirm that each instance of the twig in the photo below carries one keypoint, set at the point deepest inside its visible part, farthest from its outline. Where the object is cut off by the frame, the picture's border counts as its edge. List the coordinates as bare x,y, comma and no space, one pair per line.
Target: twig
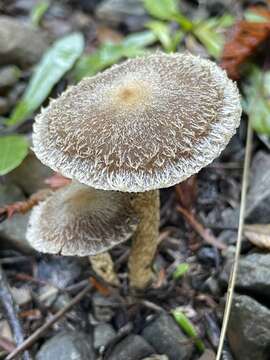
14,260
234,270
23,207
207,237
11,310
152,306
32,338
6,344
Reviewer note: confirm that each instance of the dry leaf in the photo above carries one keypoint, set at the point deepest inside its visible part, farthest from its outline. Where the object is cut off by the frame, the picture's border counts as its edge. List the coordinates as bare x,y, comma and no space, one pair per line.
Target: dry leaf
187,192
245,39
57,181
258,234
208,355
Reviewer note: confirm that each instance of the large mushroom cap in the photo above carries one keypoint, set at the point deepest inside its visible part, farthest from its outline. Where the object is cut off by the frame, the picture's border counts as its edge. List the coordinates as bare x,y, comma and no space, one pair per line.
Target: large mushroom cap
146,124
79,220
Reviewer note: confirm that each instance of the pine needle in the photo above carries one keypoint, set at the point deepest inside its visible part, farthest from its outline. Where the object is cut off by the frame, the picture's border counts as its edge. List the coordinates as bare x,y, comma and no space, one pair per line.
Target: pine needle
234,270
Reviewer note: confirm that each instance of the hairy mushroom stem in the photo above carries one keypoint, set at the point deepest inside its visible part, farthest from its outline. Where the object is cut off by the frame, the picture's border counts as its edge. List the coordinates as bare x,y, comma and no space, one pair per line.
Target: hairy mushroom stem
145,239
103,265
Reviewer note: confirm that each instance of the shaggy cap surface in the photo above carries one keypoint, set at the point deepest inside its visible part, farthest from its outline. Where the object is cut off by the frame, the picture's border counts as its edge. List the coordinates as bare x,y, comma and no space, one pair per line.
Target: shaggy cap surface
145,124
79,220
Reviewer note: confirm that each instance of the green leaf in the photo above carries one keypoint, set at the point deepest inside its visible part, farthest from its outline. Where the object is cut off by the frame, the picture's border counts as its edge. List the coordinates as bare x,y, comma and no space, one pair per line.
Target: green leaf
210,33
183,21
13,150
105,56
163,33
188,328
140,39
181,270
162,9
257,99
167,10
54,64
109,54
38,12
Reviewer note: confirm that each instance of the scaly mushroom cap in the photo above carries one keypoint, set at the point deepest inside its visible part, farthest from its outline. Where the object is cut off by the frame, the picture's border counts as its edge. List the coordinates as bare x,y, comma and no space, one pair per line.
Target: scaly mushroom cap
79,220
146,124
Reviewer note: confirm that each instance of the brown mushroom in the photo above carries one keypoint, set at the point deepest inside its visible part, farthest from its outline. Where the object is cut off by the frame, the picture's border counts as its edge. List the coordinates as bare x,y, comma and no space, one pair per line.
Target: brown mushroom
79,220
145,124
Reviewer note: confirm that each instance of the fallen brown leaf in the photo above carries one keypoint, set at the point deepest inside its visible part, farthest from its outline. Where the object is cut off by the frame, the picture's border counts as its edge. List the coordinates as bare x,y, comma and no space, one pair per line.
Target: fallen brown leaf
99,287
244,40
258,235
32,314
187,192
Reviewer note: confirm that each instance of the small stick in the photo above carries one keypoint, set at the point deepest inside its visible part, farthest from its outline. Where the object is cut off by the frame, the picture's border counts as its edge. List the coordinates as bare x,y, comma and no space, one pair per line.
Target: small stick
234,270
207,237
11,310
152,306
32,338
6,344
23,207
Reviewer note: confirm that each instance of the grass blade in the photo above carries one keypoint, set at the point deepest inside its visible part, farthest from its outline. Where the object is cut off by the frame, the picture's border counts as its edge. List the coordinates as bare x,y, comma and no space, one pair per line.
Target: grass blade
54,64
233,276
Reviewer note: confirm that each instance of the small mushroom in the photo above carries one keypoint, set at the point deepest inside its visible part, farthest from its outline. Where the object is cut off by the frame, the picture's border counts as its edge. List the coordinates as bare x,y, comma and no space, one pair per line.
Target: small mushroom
79,220
146,124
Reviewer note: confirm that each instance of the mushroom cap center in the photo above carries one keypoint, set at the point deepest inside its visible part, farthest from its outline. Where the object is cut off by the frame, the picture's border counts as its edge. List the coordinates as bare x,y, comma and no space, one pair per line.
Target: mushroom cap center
130,93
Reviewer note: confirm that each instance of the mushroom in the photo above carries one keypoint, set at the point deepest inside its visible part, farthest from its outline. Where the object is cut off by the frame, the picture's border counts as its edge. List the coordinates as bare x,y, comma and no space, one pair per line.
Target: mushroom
146,124
79,220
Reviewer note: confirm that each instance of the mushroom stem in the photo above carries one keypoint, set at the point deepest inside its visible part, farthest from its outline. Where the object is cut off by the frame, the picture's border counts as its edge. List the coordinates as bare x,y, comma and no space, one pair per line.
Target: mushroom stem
103,265
145,238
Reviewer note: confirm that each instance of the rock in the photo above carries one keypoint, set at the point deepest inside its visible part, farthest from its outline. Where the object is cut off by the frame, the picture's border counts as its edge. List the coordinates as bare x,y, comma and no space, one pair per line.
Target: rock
258,199
21,6
20,44
47,295
133,347
5,330
253,274
4,105
15,94
103,334
211,285
208,355
30,175
208,255
249,329
167,338
72,345
61,301
129,12
21,295
157,357
228,237
215,7
88,5
225,219
59,271
102,307
12,231
9,75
